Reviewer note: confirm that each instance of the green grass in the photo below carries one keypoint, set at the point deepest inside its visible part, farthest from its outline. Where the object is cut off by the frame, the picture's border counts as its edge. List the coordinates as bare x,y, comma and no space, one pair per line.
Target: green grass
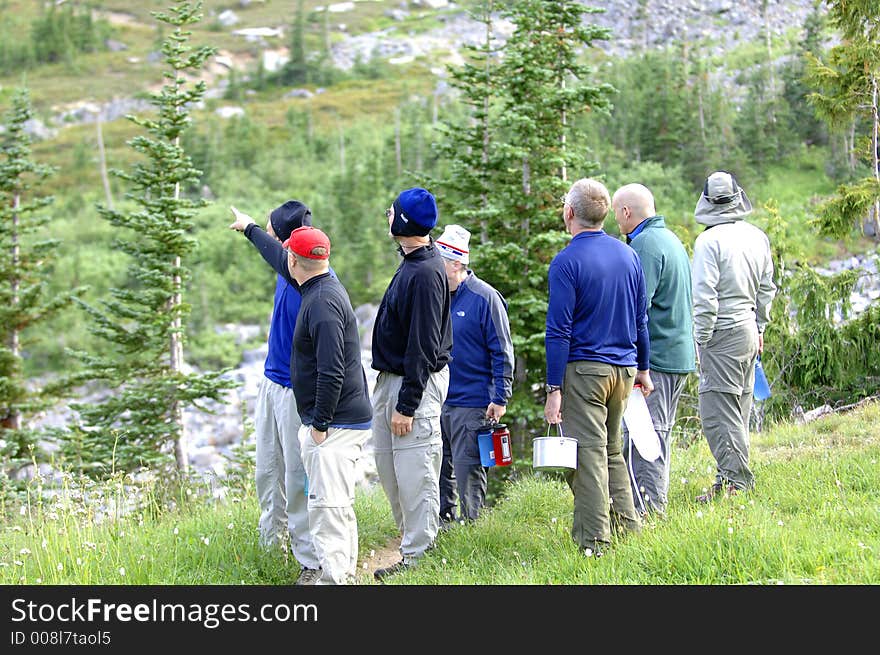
814,518
193,539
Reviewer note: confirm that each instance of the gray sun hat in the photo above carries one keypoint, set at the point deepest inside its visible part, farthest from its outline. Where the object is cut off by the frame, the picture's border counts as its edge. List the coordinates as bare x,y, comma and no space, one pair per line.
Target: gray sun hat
722,201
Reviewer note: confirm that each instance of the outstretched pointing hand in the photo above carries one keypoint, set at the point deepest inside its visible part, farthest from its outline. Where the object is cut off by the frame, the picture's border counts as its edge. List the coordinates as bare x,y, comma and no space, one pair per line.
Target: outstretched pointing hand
241,220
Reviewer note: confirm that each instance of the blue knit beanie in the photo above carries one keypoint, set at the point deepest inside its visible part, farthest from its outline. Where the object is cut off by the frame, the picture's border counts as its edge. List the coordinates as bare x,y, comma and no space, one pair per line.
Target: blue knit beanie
415,213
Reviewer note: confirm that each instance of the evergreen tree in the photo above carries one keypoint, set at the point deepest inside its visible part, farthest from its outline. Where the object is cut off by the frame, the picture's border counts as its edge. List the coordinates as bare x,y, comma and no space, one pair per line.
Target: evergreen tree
296,70
141,422
847,95
542,86
24,272
468,142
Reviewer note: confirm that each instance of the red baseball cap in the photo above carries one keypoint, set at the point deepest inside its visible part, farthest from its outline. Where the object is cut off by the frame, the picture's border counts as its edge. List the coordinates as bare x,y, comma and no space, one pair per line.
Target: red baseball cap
304,240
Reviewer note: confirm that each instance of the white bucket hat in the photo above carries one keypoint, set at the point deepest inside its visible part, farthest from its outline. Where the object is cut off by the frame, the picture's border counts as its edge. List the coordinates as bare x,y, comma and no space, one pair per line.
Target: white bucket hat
453,243
722,201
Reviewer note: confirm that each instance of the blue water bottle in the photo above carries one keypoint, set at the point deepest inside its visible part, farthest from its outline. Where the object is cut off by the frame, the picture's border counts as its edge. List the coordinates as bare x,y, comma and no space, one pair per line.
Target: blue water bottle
762,387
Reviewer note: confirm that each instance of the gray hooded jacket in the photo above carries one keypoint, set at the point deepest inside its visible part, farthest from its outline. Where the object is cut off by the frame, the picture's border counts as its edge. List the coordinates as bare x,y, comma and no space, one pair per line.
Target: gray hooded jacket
732,272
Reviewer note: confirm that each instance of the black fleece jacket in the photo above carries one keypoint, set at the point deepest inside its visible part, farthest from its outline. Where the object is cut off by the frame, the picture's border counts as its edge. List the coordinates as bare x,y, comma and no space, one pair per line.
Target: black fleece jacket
412,335
326,374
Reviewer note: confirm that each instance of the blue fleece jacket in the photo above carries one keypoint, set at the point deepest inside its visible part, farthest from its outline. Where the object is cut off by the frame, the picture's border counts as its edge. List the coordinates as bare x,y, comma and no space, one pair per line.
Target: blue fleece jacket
598,308
284,313
481,370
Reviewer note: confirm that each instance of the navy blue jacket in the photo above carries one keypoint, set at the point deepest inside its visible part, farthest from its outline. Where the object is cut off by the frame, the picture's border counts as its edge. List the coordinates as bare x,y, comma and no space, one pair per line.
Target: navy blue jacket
481,370
598,306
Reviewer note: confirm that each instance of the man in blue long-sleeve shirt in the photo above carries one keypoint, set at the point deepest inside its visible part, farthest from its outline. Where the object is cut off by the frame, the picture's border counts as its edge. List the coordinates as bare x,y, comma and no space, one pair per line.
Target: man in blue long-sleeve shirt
480,376
597,347
280,475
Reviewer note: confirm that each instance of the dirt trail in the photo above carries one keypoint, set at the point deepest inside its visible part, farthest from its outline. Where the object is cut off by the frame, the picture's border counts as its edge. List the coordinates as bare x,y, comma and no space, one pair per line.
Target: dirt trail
384,556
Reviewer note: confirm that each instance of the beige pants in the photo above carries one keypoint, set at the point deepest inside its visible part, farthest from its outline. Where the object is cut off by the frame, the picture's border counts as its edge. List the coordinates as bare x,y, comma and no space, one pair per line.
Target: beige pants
330,467
280,476
409,466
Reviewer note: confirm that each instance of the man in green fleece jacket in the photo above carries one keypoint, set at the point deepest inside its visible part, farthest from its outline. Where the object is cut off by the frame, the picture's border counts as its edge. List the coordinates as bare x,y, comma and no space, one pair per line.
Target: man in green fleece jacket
670,326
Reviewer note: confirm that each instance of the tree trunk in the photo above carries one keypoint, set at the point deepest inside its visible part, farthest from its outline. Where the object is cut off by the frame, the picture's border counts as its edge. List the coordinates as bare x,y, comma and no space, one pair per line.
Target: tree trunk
397,157
13,421
875,148
102,162
176,355
341,150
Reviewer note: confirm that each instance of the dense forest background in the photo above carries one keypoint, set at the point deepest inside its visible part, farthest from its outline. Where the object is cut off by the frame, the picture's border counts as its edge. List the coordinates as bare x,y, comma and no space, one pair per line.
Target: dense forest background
497,119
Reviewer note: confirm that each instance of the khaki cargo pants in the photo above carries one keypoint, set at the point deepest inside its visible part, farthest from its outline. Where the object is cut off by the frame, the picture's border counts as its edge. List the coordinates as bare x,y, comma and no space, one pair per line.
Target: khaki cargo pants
594,396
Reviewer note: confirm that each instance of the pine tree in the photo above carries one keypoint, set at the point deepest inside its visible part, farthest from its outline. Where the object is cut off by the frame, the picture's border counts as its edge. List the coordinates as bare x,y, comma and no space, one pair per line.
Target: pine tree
847,95
24,300
141,422
296,70
467,142
542,87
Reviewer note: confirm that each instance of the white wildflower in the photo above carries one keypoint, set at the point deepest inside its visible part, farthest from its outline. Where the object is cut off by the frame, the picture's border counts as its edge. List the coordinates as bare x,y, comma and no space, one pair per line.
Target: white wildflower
22,511
206,540
699,514
39,580
230,526
443,560
588,552
24,551
79,561
176,531
729,530
122,571
780,523
60,566
365,566
45,544
553,520
372,553
18,562
684,480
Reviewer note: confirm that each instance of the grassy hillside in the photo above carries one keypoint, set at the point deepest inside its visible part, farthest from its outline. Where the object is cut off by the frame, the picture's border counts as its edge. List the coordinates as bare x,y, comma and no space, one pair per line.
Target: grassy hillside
813,519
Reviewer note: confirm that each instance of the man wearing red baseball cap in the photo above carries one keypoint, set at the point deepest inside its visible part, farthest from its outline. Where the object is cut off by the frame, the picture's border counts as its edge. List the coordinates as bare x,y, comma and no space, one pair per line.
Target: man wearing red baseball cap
332,397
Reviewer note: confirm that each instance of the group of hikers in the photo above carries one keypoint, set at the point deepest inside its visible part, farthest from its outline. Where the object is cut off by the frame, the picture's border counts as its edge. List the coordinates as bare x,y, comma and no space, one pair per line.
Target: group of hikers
619,314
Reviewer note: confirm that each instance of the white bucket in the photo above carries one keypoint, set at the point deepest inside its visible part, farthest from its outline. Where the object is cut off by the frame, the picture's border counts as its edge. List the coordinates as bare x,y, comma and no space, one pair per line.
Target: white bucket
554,453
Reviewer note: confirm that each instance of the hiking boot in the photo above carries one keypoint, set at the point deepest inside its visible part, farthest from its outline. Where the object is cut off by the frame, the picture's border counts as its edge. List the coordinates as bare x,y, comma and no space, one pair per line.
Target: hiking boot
309,576
596,549
380,574
713,491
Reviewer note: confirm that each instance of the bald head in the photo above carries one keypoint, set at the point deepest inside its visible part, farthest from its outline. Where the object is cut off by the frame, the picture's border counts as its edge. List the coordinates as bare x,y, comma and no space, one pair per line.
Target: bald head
632,204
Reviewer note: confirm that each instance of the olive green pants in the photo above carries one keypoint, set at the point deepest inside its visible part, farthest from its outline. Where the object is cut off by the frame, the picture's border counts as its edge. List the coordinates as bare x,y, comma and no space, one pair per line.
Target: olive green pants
594,398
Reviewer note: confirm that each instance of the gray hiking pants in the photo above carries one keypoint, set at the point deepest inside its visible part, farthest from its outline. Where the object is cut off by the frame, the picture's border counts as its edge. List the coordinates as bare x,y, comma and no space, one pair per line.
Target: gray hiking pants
727,378
467,476
280,474
409,466
650,480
